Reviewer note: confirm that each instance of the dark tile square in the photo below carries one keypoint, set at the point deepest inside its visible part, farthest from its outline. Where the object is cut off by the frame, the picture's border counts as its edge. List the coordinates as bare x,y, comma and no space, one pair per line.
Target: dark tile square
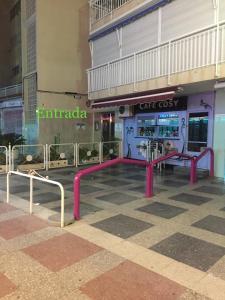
191,251
173,183
137,177
45,197
117,198
122,226
65,181
141,189
66,172
189,198
87,189
92,177
19,189
110,172
115,183
182,176
85,209
214,190
212,223
162,210
84,189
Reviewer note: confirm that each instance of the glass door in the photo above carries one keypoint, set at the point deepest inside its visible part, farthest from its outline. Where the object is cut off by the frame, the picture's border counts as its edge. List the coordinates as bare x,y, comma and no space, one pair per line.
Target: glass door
197,131
108,127
198,135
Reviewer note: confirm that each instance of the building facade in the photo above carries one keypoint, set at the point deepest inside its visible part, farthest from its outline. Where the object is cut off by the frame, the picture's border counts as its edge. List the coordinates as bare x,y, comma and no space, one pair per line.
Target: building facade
11,104
160,65
55,58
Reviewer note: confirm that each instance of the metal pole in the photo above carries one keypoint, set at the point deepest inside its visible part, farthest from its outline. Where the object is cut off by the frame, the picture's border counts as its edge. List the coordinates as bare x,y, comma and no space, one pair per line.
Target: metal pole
76,212
74,154
77,155
10,158
31,195
100,152
7,187
46,157
211,172
149,181
62,205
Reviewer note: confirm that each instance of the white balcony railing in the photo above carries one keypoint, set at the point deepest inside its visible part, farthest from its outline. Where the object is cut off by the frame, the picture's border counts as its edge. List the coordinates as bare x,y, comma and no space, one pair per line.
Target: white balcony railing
102,8
196,50
10,91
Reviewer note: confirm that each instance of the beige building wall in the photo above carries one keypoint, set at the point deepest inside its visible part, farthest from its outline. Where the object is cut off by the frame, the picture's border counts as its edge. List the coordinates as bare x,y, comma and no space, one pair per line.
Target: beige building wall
62,57
4,43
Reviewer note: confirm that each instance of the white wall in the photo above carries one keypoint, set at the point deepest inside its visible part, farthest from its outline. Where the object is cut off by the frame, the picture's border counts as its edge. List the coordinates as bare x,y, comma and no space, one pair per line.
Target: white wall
172,20
219,129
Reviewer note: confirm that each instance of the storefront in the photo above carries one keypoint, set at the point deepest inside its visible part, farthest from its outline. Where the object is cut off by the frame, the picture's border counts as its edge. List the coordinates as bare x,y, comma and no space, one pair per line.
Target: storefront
182,123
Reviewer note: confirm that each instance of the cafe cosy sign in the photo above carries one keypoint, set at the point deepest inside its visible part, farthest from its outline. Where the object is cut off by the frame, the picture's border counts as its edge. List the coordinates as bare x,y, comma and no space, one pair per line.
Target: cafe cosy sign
165,105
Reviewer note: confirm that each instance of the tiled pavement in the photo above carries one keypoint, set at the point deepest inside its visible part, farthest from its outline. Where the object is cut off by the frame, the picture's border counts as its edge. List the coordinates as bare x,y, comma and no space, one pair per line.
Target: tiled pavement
125,246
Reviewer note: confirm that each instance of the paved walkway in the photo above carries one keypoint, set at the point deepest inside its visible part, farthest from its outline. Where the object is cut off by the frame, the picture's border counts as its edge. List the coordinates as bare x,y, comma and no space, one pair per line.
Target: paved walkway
125,246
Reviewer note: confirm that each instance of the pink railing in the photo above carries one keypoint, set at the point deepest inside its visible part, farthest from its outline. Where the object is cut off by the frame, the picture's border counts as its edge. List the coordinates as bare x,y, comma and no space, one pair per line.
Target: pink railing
150,170
195,161
92,169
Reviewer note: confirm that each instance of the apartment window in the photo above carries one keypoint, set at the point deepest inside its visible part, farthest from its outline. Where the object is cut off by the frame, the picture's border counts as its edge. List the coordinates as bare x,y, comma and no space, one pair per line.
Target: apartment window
15,11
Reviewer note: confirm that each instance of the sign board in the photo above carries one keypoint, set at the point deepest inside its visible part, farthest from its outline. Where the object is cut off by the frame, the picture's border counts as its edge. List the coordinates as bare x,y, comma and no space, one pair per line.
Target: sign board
175,104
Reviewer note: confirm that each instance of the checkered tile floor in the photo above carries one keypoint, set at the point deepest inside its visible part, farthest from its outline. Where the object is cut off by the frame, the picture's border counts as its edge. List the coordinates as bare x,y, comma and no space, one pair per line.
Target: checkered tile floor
124,247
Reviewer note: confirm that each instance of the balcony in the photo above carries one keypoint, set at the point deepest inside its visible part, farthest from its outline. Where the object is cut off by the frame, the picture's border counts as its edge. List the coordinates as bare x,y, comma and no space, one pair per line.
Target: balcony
11,91
199,49
99,9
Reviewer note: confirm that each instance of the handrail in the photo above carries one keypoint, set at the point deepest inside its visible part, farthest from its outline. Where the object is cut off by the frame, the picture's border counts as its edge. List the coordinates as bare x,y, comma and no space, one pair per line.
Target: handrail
150,169
92,169
198,158
181,37
31,190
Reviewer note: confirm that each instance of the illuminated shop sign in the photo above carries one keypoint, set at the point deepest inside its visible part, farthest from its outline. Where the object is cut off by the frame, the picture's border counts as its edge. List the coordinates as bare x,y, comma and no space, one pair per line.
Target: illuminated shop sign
165,105
55,113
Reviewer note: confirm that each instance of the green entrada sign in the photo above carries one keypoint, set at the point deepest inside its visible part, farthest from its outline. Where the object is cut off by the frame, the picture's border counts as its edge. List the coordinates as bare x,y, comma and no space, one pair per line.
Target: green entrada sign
56,113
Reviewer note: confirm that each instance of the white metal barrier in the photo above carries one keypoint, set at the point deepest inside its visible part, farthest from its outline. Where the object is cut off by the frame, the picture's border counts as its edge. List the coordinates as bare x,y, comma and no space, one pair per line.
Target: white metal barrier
111,150
40,157
61,155
154,151
88,153
26,157
4,157
42,179
198,49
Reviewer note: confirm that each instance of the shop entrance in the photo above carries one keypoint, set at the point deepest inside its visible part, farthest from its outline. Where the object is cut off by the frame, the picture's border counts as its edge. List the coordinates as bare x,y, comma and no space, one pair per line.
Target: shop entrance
108,126
198,135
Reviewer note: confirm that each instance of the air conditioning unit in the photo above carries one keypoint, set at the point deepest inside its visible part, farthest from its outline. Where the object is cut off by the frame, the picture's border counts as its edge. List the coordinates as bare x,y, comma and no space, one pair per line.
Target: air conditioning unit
125,111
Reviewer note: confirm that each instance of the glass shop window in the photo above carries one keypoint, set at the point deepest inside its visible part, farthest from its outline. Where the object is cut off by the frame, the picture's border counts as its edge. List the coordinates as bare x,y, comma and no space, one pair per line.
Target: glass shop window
197,131
146,126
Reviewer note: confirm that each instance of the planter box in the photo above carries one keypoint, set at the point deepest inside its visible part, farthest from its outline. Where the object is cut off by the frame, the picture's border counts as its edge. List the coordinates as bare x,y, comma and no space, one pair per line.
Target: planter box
58,163
27,167
94,159
2,168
